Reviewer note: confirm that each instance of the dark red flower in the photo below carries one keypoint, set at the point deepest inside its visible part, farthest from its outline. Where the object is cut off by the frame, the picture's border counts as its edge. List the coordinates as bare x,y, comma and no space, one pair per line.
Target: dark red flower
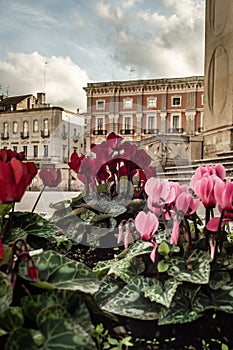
75,161
51,177
15,176
2,255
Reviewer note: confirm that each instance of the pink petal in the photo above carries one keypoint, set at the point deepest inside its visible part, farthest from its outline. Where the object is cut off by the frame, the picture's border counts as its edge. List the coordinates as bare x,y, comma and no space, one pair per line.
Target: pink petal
213,223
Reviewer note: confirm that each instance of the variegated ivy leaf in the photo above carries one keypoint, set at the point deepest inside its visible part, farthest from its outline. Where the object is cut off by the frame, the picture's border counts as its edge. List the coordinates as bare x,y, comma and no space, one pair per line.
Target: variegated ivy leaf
221,299
219,279
131,302
224,263
61,331
127,268
180,310
6,292
101,203
73,302
58,329
162,294
31,223
195,269
62,273
12,317
20,338
108,288
139,248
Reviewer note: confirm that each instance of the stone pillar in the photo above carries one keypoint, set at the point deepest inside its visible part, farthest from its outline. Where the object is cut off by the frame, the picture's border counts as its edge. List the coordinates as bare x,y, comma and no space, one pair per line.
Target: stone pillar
139,126
163,122
88,135
111,123
116,124
218,112
190,122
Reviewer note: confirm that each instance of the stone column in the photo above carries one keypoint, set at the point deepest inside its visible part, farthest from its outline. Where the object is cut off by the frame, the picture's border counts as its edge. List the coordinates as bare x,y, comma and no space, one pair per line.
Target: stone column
139,126
111,123
116,124
190,122
218,112
163,122
88,135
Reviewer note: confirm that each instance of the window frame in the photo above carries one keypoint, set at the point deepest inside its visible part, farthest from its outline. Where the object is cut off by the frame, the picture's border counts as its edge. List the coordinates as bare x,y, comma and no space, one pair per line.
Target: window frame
126,101
176,97
98,107
149,105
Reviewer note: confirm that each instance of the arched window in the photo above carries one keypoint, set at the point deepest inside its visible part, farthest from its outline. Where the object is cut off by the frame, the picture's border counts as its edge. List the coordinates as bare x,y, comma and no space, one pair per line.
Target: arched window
35,125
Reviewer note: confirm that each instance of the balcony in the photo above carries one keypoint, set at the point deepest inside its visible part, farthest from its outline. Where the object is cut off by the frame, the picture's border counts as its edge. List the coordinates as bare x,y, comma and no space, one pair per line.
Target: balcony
64,135
45,133
99,132
151,131
75,138
175,131
127,132
24,134
5,136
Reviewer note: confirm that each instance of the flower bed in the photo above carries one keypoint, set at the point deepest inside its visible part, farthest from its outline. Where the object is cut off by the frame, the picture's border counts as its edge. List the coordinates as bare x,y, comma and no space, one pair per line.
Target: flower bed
126,264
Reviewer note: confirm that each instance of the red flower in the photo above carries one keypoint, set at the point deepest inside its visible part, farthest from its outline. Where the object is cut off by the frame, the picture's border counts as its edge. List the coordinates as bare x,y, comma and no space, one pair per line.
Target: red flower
50,177
75,161
2,255
15,176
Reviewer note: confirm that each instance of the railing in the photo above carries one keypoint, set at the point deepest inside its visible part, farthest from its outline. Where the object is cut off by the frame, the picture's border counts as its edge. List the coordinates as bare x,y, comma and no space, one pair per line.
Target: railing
5,136
127,131
75,138
24,134
64,135
175,131
99,132
45,133
151,131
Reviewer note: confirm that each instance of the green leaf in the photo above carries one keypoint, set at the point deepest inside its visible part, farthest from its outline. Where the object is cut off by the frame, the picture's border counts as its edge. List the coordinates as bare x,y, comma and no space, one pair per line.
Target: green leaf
31,223
4,209
62,273
12,318
180,310
127,268
164,249
162,294
195,269
220,299
61,331
131,302
162,266
108,288
219,279
20,338
6,292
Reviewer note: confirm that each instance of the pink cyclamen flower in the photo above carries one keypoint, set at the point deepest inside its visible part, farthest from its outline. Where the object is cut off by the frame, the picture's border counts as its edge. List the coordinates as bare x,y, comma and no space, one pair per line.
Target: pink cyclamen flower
204,189
206,171
159,193
146,224
185,206
224,195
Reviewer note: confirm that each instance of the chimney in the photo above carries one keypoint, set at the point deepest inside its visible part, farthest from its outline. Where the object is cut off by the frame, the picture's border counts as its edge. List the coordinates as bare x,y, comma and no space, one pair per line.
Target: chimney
40,98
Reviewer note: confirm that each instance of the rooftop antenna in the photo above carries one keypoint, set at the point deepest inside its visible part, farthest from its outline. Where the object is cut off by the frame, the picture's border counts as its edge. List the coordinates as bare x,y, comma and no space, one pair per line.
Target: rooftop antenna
130,72
45,75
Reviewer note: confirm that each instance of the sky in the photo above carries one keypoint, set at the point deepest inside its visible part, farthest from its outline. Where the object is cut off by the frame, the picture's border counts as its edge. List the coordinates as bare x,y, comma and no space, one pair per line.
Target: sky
57,46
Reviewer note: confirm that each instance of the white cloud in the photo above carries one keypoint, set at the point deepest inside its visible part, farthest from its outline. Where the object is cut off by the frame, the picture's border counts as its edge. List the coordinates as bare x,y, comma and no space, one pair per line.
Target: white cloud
159,45
62,79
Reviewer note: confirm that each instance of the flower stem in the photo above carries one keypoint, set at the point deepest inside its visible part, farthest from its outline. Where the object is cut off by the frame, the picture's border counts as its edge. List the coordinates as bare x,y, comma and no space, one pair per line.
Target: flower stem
38,198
